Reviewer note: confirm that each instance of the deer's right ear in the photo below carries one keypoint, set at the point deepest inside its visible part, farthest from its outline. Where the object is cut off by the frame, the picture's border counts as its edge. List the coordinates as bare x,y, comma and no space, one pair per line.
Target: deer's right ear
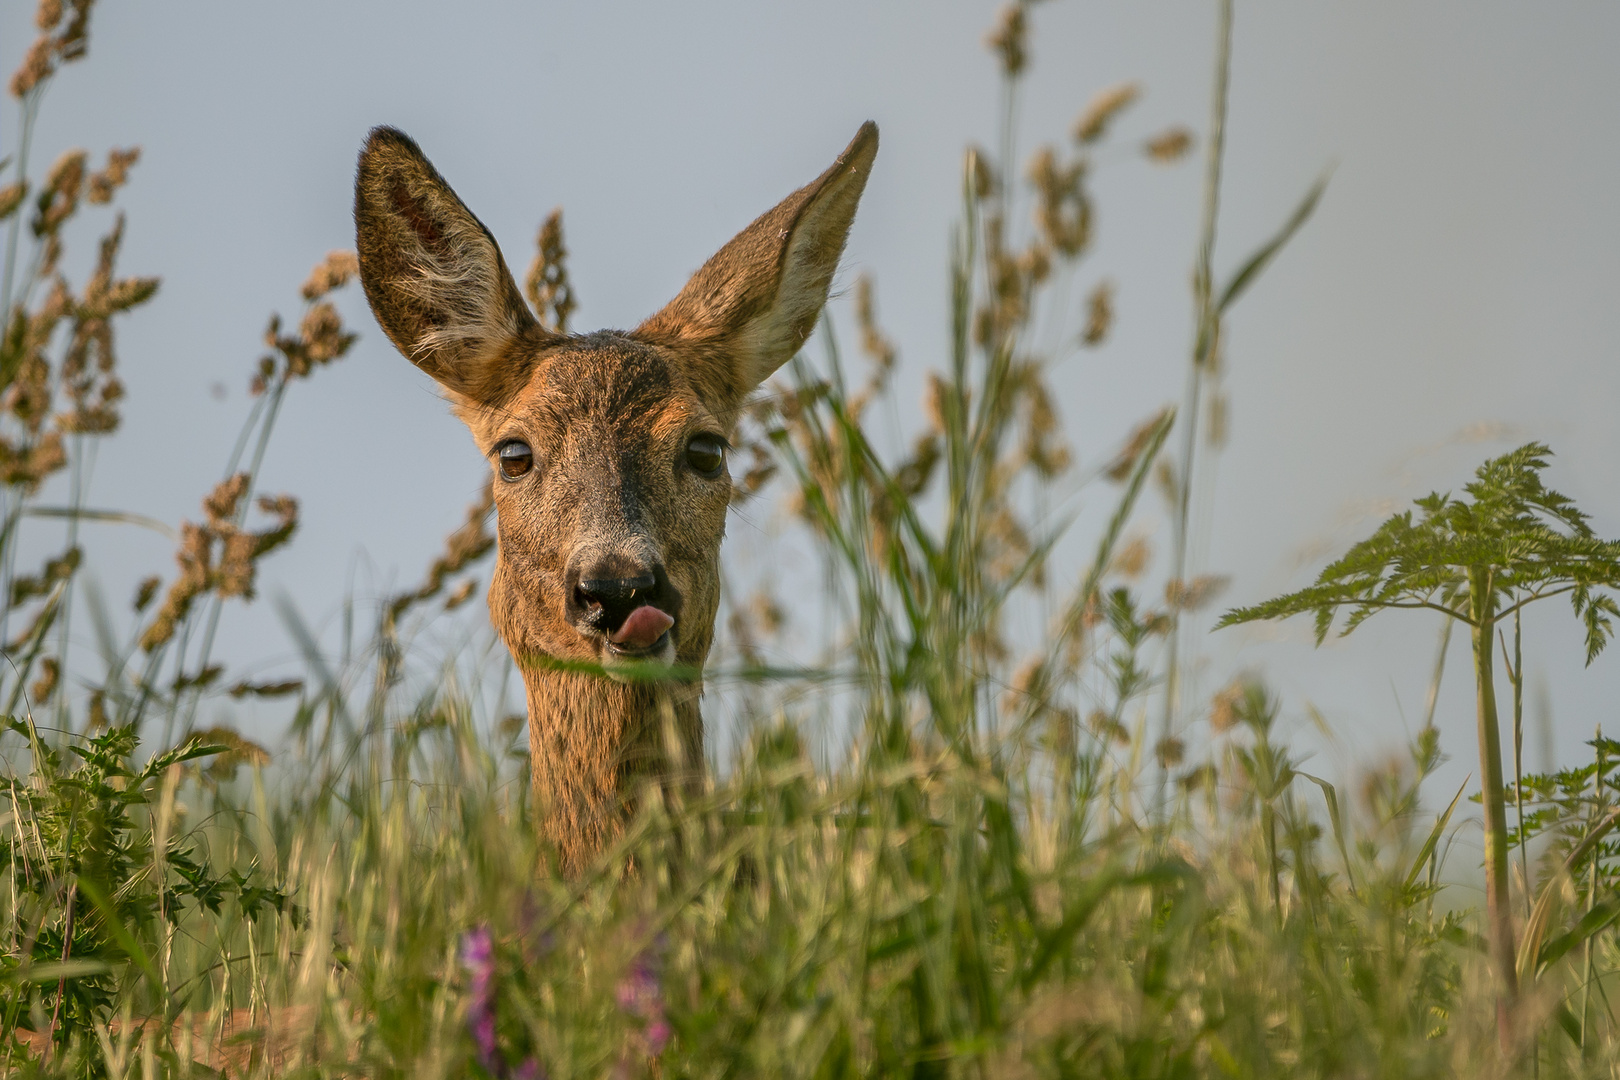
435,278
752,305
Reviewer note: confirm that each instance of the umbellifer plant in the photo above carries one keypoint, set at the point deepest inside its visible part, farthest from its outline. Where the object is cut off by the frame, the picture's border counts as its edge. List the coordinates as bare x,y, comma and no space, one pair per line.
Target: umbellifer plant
1478,560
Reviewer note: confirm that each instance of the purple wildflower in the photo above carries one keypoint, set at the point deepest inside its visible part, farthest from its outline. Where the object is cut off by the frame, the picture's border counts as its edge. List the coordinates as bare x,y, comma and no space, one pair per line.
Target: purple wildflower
640,995
478,957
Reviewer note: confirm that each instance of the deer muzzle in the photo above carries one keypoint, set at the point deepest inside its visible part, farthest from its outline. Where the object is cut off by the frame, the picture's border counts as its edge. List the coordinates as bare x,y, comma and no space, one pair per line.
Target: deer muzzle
627,605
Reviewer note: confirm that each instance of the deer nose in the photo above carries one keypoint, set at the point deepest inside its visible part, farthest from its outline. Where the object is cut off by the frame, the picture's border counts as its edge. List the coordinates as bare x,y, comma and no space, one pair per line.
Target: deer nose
605,591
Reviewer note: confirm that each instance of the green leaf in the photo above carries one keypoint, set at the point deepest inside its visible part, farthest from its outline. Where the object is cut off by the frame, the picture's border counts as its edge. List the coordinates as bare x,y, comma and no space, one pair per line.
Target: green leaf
1331,796
1592,923
1257,262
1541,916
186,751
120,932
55,970
80,513
1434,836
1570,1025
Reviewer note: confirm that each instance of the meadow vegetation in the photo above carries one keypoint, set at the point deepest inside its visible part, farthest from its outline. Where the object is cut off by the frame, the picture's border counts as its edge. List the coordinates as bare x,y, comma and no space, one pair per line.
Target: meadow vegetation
1034,858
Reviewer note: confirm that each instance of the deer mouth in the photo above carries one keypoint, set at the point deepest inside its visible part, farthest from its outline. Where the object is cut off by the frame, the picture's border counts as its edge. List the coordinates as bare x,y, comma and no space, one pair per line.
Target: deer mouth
644,633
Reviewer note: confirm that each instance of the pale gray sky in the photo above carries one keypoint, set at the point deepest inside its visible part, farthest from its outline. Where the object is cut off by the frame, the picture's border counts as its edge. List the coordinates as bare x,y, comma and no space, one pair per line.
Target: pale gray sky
1460,275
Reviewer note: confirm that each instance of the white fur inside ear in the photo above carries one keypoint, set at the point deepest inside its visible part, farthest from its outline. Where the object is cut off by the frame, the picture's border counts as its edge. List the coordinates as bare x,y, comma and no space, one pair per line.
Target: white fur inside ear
814,245
468,297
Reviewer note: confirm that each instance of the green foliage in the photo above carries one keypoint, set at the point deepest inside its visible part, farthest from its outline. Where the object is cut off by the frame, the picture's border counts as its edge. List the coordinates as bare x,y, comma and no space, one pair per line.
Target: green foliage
94,877
1531,541
1563,807
1512,542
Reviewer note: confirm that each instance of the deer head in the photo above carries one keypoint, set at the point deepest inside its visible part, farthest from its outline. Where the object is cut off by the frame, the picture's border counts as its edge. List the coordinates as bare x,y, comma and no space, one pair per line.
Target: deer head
608,449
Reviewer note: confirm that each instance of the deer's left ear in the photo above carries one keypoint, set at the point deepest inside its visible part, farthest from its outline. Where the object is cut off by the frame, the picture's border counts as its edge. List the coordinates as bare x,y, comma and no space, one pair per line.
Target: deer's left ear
750,307
436,280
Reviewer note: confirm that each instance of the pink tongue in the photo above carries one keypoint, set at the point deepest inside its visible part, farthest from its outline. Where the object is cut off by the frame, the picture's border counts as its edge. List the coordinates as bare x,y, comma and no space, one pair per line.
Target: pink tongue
645,625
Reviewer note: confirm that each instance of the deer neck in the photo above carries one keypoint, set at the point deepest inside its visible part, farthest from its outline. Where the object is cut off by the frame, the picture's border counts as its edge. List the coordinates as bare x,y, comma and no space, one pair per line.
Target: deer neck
594,743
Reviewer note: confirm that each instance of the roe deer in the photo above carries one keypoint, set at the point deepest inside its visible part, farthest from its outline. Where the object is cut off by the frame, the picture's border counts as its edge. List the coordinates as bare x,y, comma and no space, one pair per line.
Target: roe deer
609,454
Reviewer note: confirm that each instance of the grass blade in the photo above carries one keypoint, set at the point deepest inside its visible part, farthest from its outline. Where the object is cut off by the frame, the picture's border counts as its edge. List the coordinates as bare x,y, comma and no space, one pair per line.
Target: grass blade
1434,837
1268,251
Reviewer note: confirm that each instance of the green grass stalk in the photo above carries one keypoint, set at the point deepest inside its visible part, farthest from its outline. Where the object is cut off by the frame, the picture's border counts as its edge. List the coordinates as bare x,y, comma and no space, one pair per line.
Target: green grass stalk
1498,900
1207,331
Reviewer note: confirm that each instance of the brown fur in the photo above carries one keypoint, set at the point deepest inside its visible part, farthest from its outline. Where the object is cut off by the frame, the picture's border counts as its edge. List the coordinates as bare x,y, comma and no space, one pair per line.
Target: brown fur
608,417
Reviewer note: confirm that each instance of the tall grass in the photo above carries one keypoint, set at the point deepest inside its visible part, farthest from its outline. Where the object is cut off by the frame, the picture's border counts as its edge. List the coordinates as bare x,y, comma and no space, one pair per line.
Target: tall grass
1009,873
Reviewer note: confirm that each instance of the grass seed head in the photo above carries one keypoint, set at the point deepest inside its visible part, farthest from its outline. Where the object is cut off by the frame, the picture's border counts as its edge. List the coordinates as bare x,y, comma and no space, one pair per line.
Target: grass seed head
1009,40
874,343
236,564
1124,462
42,688
1168,147
1042,446
914,474
37,65
981,178
1165,479
238,751
1194,594
105,183
145,591
47,15
467,544
1099,314
59,198
1062,208
1199,778
25,467
322,334
1132,558
1170,752
1100,111
11,197
220,504
28,398
461,594
332,272
546,284
1225,705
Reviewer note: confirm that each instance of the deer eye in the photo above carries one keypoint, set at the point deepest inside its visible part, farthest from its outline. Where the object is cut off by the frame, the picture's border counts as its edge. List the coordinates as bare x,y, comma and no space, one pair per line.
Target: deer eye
515,457
706,454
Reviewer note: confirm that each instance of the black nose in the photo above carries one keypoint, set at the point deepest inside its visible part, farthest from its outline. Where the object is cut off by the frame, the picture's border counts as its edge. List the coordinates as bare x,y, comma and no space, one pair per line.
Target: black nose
607,591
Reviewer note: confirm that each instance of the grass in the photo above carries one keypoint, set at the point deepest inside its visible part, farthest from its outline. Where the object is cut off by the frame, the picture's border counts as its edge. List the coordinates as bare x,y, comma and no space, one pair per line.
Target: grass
1014,870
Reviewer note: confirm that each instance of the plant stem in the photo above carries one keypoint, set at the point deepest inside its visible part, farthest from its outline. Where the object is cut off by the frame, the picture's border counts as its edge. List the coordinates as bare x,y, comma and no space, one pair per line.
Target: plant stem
1517,674
28,111
1498,915
81,467
1268,824
1439,671
275,395
1591,893
1204,344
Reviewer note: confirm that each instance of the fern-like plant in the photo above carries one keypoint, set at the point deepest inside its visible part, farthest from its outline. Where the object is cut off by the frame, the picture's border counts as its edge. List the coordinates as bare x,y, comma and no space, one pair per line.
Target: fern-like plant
1479,559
